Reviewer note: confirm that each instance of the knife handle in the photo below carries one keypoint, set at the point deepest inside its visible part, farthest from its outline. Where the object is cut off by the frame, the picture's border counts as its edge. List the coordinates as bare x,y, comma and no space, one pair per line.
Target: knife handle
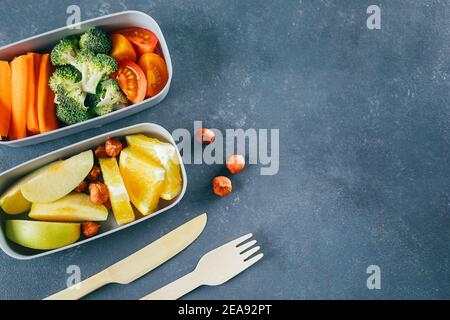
83,288
176,289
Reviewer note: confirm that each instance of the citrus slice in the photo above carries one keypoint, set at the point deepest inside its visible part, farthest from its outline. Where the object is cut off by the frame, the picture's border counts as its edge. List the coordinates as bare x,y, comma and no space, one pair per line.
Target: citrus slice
164,154
144,179
118,195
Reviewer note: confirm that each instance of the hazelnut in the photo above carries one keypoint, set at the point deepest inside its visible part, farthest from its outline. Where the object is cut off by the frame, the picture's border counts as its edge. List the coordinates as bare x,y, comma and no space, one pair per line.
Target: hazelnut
222,186
204,136
100,152
235,163
98,192
108,205
90,229
113,147
81,187
94,174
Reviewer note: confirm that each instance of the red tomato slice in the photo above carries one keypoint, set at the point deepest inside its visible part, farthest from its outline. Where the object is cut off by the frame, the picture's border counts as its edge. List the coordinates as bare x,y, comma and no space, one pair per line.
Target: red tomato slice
155,70
122,48
143,40
131,80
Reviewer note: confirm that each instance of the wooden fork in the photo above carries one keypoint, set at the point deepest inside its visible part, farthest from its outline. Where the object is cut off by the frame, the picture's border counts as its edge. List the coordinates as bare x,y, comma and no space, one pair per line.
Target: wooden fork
214,268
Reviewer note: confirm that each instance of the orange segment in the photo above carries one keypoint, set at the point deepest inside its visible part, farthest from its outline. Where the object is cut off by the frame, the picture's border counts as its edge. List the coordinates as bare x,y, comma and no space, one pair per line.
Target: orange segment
118,195
144,179
164,154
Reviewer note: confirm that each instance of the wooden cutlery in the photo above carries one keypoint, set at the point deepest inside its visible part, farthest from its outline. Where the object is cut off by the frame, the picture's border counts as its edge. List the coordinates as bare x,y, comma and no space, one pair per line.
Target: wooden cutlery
140,262
214,268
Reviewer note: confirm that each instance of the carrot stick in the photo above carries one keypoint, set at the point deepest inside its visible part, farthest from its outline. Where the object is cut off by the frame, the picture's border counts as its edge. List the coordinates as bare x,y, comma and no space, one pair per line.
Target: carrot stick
18,127
5,98
45,103
32,117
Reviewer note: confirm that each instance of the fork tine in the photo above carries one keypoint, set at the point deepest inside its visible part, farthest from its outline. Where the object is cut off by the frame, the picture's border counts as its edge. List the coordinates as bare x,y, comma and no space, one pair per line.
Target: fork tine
246,245
253,260
238,241
248,253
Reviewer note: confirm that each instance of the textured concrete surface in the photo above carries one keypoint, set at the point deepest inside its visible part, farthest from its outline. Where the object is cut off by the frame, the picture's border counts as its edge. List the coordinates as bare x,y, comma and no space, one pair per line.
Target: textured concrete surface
365,131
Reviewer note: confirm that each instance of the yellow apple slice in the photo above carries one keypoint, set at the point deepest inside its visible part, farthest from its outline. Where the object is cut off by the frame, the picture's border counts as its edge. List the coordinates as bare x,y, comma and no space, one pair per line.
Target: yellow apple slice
144,179
73,207
59,180
118,195
12,201
164,154
42,235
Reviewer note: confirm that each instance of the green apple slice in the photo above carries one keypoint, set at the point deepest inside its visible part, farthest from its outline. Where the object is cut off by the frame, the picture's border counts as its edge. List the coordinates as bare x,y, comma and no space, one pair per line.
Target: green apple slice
60,180
12,201
73,207
42,235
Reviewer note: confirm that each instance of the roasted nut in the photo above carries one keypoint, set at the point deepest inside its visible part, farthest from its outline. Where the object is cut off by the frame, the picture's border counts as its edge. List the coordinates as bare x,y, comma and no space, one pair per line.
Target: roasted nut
81,187
113,147
90,229
236,163
94,174
98,192
204,136
222,186
108,205
100,152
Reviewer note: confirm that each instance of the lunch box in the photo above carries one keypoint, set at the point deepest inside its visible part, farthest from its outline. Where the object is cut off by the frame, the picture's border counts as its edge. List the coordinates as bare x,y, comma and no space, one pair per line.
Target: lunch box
107,227
45,42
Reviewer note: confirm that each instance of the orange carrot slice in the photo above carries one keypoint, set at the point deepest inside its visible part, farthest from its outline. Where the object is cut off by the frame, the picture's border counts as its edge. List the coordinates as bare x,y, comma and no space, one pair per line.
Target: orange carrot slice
45,101
32,116
18,127
5,98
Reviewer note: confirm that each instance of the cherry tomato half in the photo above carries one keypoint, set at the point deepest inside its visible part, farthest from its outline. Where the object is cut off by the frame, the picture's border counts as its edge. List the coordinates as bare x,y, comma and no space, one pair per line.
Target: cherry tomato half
143,40
122,48
131,80
155,70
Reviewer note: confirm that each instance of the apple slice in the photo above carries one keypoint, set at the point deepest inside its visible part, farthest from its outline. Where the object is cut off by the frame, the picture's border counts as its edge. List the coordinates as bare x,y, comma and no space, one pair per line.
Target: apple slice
60,180
144,179
73,207
42,235
12,201
164,154
118,195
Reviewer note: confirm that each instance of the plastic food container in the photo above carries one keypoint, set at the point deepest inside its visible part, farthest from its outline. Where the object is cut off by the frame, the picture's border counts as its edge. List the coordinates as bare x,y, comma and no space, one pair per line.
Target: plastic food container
45,42
107,227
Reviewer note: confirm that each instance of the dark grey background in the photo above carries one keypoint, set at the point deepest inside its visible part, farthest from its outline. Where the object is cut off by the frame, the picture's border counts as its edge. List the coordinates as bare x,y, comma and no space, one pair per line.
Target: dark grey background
365,131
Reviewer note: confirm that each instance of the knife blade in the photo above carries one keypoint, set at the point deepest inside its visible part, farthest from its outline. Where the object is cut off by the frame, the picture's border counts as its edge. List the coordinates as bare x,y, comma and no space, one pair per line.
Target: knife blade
139,263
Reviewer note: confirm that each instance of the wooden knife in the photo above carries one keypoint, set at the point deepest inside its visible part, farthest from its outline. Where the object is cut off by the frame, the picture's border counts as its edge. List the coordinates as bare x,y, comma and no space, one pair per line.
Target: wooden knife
140,262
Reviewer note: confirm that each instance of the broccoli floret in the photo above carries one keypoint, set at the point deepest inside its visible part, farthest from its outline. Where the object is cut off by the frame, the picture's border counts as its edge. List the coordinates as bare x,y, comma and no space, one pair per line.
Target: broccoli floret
65,83
65,76
69,96
109,97
96,40
94,68
65,52
70,111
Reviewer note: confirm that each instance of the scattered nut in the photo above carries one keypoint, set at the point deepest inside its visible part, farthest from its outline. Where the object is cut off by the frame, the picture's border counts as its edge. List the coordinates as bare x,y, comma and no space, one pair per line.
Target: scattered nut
81,187
94,174
222,186
98,192
113,147
90,229
236,163
108,205
204,136
100,152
